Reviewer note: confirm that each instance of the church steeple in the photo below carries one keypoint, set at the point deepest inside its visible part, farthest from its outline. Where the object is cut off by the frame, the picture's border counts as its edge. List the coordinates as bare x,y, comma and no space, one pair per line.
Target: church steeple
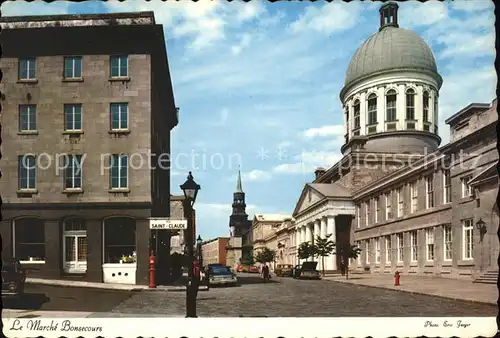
239,217
238,183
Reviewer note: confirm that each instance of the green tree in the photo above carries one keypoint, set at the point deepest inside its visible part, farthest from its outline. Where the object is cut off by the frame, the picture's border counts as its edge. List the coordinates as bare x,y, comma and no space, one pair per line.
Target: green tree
324,247
247,259
265,255
306,250
347,252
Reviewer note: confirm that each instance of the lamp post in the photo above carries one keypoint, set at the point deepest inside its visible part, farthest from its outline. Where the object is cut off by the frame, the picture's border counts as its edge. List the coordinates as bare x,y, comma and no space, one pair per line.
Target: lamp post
190,189
198,247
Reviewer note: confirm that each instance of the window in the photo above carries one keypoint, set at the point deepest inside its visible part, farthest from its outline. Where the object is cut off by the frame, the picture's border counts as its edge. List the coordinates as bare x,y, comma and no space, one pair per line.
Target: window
426,106
358,214
377,250
119,171
388,212
429,190
400,247
367,252
447,186
367,206
119,240
372,109
27,69
414,246
468,239
410,104
429,244
27,172
119,116
377,209
73,172
435,110
391,105
29,240
119,66
75,245
448,242
27,118
466,188
414,196
388,249
357,122
72,117
400,202
73,67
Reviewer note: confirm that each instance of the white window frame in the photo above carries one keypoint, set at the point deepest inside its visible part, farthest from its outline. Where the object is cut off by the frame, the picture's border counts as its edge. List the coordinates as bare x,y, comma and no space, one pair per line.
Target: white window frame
388,250
27,60
466,188
74,108
447,239
429,244
429,191
377,250
358,213
414,197
467,239
367,251
28,110
123,109
74,266
120,75
367,206
119,164
414,246
30,172
400,202
377,208
400,244
446,187
73,60
73,165
388,206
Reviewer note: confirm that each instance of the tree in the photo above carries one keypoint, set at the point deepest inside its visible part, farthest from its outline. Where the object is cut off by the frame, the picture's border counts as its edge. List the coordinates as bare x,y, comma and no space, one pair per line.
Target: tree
306,250
323,247
347,252
265,255
247,259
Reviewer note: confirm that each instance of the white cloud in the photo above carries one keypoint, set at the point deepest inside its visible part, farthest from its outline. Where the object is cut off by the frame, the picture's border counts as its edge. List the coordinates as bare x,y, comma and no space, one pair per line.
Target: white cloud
415,14
253,176
472,5
243,43
324,131
16,8
308,161
478,44
329,18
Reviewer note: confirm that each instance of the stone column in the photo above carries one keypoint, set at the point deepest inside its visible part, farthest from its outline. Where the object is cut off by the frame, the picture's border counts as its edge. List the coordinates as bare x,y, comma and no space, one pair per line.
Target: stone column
94,250
362,113
330,229
317,229
309,233
53,249
381,109
401,107
323,227
142,248
419,108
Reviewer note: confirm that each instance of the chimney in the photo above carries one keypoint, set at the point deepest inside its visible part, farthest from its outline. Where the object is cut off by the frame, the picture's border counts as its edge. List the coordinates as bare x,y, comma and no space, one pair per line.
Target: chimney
319,172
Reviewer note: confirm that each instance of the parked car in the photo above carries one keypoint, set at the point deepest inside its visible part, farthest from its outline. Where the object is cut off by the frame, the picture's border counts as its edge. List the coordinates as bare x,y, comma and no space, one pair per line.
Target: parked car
284,270
221,275
306,271
242,268
13,278
254,269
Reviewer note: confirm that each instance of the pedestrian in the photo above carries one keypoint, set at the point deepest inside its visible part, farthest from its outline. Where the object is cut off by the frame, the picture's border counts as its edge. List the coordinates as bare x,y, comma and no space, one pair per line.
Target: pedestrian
265,272
196,279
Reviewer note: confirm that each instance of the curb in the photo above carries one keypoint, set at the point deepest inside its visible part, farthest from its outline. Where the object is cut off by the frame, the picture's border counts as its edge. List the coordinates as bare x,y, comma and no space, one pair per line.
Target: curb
417,293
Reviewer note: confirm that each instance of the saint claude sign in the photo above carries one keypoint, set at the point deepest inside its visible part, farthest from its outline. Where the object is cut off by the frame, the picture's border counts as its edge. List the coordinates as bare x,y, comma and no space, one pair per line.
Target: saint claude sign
167,224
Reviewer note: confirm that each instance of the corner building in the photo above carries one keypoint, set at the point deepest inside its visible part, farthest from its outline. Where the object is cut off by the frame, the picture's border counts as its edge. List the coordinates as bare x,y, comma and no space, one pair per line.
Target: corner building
409,204
95,90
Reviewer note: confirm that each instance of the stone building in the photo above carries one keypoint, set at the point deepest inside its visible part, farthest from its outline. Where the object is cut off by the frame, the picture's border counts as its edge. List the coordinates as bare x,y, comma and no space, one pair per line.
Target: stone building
214,251
177,239
87,103
273,231
410,205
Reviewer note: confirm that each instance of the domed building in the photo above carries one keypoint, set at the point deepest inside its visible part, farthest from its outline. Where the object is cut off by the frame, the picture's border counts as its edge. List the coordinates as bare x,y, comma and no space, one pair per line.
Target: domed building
408,204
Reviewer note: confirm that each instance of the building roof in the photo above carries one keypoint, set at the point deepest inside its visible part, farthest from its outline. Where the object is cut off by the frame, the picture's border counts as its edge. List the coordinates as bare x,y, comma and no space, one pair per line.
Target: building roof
239,188
391,48
331,190
490,172
271,217
471,108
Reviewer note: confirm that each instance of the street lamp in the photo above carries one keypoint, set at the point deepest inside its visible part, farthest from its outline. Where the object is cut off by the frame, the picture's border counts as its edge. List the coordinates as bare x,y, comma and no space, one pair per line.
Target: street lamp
481,226
190,189
199,241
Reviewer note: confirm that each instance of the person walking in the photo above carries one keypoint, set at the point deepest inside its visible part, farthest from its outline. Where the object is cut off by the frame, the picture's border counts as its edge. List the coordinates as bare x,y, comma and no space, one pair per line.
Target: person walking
265,272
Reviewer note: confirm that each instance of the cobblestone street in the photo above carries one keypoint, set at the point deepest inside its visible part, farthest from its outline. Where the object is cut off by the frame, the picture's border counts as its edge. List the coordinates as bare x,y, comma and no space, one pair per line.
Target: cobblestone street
285,297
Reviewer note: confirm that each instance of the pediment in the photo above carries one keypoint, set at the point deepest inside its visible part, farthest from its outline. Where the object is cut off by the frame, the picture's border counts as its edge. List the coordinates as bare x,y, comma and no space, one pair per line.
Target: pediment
308,197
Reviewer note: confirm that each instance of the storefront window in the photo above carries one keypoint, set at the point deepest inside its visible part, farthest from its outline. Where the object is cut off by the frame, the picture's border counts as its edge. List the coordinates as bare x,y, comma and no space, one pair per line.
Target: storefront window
29,240
119,240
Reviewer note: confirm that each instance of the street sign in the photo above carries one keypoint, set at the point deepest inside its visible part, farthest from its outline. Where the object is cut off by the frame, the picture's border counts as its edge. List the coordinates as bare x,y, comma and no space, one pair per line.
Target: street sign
167,224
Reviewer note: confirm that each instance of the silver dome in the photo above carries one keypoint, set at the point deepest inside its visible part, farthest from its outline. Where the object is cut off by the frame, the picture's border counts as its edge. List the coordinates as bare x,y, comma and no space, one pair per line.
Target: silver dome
391,48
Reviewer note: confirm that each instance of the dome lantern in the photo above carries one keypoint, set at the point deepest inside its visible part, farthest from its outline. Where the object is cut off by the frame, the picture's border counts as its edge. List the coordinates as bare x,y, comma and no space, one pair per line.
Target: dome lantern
389,15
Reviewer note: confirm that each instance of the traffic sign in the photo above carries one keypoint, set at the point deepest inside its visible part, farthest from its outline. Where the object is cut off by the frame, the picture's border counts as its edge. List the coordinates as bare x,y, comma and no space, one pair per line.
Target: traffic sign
167,224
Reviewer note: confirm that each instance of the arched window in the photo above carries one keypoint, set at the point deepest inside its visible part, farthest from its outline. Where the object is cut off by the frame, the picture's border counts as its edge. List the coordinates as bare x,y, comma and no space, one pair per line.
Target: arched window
410,104
372,109
29,240
425,103
119,240
357,123
391,105
75,245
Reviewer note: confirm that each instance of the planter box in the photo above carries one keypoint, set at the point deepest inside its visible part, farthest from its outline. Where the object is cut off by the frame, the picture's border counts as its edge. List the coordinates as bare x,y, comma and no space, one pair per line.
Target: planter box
119,273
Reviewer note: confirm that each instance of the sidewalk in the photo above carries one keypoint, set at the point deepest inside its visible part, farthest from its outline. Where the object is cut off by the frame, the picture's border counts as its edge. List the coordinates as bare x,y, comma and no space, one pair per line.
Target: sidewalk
106,286
433,286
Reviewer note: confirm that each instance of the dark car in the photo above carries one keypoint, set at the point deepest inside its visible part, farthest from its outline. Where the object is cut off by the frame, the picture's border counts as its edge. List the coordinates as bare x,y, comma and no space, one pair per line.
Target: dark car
219,274
13,278
306,271
284,270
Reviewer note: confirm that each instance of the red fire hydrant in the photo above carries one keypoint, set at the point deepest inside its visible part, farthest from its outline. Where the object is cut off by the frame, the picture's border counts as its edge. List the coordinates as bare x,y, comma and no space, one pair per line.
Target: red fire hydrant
396,278
152,270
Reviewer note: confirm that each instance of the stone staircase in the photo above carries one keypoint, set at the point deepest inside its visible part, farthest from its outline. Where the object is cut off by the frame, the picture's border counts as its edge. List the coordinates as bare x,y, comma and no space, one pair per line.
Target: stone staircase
489,277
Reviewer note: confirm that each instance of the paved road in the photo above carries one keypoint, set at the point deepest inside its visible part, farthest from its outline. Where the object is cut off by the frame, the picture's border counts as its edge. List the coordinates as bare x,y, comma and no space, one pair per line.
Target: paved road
58,298
285,297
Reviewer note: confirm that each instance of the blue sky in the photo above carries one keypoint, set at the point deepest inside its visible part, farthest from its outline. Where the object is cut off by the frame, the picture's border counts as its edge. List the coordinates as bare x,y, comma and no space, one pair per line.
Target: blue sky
258,85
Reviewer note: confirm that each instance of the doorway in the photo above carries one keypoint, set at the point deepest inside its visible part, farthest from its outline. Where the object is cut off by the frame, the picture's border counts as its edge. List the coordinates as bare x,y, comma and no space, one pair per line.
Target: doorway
75,246
160,244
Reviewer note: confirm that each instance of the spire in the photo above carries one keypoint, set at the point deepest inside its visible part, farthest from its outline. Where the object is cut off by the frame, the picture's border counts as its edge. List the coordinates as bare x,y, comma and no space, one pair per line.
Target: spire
238,183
